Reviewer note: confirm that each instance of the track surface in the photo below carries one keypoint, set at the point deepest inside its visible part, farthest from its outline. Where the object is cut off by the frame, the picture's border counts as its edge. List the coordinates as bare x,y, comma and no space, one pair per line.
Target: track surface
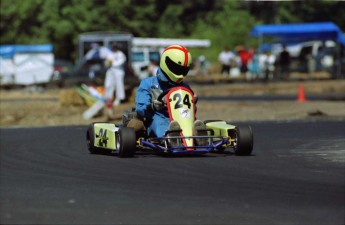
295,176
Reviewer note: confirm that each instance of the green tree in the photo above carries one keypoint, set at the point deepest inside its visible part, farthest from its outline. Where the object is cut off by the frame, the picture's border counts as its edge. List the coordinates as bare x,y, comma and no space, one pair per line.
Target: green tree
229,27
19,22
312,11
224,22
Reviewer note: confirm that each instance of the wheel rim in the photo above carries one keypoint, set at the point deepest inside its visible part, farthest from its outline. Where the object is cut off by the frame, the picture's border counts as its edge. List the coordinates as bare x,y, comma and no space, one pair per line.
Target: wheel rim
118,142
235,141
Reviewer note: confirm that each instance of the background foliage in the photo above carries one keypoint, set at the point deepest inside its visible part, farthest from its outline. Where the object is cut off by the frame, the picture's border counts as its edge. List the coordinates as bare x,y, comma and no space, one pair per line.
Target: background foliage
224,22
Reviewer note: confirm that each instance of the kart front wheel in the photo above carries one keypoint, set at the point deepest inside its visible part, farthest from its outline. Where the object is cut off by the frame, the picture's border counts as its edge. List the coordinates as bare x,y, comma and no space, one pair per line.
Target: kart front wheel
243,140
90,141
126,142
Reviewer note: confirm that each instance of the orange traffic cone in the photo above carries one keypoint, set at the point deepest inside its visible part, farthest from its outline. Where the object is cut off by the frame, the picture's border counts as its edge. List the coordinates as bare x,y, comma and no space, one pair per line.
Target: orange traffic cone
301,95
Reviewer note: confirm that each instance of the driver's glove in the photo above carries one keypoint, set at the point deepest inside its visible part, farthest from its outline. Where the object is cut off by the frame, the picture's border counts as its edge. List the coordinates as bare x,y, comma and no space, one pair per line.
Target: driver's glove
157,105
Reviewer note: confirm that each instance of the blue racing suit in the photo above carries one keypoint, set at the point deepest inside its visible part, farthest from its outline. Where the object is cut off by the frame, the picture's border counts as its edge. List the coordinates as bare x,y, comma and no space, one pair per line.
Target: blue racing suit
156,122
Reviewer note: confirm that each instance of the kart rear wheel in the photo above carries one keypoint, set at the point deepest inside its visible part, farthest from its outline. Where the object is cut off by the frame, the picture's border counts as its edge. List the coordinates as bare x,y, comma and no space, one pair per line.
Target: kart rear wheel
243,140
126,142
90,141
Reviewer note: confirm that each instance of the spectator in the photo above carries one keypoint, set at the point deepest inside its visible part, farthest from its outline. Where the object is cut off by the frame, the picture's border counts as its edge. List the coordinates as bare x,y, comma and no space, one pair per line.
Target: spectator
253,66
203,65
321,53
245,56
94,60
284,63
225,58
235,64
267,62
114,79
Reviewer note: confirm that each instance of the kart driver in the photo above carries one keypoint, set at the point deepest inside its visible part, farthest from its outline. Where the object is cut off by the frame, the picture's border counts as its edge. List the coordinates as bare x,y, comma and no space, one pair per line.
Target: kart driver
174,65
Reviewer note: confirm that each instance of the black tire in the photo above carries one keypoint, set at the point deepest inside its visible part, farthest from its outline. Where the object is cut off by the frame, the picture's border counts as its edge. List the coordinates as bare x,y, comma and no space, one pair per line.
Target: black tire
90,141
126,142
243,140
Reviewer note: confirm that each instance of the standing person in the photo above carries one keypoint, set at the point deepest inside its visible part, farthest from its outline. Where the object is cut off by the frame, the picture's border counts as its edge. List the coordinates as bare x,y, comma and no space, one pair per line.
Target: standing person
269,61
253,66
235,64
284,63
114,79
174,66
225,58
245,56
202,64
94,60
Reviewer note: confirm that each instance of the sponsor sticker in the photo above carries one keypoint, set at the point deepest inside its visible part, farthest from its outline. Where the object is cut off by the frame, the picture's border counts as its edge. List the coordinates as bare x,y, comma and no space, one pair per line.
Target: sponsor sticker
185,113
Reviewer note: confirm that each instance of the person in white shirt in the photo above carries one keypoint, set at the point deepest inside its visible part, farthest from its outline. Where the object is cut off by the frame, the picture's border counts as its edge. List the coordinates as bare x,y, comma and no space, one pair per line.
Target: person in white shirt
266,64
93,58
225,58
114,79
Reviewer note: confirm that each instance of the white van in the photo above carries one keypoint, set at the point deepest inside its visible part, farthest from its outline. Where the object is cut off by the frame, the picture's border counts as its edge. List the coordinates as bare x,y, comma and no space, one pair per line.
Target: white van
309,56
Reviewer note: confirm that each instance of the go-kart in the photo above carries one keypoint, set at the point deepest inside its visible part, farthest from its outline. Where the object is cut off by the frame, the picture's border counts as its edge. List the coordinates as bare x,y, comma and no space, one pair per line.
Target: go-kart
126,140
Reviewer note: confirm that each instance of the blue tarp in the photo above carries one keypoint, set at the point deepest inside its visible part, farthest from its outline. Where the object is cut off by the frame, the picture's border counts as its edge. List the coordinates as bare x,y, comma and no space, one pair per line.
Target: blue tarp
300,32
8,51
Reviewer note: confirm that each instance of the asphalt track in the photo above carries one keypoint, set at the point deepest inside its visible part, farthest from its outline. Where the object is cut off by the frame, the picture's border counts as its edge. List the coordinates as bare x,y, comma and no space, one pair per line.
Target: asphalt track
296,175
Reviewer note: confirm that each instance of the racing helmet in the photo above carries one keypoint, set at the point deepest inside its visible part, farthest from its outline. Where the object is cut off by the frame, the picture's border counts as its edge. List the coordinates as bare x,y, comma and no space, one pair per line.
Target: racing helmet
175,63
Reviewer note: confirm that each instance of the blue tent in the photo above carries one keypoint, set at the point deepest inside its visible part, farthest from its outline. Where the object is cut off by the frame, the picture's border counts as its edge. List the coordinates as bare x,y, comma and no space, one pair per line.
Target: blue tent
300,32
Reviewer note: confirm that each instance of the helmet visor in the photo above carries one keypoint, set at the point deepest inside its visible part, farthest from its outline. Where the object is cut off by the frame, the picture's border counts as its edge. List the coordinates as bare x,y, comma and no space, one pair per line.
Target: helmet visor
176,68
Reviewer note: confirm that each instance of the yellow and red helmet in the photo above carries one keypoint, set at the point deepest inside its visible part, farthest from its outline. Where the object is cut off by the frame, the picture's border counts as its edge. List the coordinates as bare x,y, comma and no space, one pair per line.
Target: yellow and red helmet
175,62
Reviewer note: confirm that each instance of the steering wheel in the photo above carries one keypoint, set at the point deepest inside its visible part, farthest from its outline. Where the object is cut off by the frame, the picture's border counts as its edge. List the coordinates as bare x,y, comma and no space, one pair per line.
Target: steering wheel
163,94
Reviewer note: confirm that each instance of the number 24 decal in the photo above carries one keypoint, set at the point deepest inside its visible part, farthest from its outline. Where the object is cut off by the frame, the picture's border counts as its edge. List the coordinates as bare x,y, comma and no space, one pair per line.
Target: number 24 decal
103,139
180,102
